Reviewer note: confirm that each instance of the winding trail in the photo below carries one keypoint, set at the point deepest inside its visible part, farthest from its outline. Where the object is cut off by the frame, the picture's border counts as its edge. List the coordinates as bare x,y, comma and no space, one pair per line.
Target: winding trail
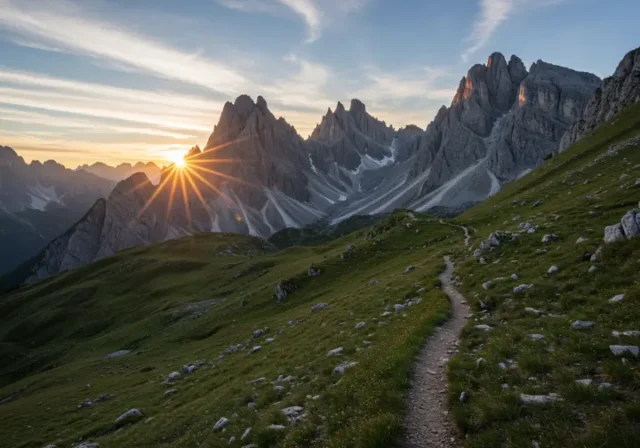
427,422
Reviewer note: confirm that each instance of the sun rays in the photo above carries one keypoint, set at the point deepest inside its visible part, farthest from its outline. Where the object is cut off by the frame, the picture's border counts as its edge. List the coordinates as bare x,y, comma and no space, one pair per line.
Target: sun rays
192,178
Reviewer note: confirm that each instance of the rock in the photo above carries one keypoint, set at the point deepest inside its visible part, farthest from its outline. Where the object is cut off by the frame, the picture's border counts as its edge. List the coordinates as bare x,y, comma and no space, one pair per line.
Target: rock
246,433
619,350
255,349
232,440
386,314
521,288
464,397
582,324
258,380
373,282
630,223
188,369
533,311
51,446
604,386
348,252
117,354
283,289
617,298
631,333
410,268
398,308
269,340
313,272
360,325
339,370
537,203
486,284
584,382
88,445
276,427
613,233
553,270
258,333
170,392
335,351
252,405
131,416
480,361
86,403
173,376
536,337
593,269
549,237
278,388
220,424
581,240
318,307
515,277
292,412
483,327
538,399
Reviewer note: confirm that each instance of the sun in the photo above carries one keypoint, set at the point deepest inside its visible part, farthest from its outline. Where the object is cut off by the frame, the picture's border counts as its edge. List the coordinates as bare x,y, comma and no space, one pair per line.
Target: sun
178,160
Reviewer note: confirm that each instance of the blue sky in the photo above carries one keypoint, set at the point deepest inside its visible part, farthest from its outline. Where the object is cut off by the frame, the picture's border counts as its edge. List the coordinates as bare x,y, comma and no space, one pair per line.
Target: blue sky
129,80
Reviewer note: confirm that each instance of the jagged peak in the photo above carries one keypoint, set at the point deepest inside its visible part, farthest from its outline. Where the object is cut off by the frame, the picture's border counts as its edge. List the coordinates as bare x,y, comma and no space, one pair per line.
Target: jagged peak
135,182
357,106
496,58
262,103
340,107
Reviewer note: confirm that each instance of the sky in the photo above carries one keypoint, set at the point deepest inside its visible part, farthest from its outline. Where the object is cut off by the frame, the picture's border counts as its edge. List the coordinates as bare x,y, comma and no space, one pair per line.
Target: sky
144,80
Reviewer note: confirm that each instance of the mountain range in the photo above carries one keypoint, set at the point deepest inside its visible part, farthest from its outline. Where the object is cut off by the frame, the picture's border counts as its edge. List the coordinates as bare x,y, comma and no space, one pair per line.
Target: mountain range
123,170
256,175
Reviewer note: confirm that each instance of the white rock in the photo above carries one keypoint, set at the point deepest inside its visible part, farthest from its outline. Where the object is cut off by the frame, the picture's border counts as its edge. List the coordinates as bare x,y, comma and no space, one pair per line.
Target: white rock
410,268
593,269
629,223
486,284
619,350
581,240
386,314
532,310
269,340
582,324
613,233
246,433
538,399
173,376
616,298
483,327
318,307
255,349
631,333
360,325
536,337
277,427
221,424
398,308
117,354
605,386
278,388
232,440
130,416
339,370
292,411
335,351
521,288
514,277
170,392
553,269
584,382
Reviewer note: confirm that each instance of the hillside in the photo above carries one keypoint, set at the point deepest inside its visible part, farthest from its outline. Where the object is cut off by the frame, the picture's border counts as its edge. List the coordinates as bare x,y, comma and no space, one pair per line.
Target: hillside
202,300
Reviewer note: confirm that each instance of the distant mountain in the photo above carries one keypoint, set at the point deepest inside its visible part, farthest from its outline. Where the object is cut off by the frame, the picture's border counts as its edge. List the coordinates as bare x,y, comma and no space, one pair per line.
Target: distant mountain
38,202
122,171
256,175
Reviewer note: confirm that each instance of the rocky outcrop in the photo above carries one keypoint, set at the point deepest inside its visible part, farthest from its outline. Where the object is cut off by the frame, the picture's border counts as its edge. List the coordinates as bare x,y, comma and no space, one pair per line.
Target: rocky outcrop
616,93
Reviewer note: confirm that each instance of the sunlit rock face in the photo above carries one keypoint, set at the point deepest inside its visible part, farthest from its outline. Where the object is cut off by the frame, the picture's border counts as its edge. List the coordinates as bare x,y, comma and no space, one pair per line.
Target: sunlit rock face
617,92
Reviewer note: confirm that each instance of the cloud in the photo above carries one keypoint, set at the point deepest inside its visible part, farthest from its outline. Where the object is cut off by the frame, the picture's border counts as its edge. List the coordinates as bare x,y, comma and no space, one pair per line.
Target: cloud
316,14
62,25
494,13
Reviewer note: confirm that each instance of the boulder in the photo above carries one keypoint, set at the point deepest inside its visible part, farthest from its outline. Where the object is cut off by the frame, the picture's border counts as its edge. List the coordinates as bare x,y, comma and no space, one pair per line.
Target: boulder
582,324
619,350
335,351
613,233
220,424
131,416
617,298
318,307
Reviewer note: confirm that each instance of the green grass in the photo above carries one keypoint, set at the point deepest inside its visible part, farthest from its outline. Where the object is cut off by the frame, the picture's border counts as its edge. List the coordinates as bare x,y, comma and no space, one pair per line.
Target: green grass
587,416
188,300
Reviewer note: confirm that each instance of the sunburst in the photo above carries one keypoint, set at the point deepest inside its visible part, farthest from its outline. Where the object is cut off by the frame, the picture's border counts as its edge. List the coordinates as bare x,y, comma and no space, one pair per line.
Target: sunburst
185,177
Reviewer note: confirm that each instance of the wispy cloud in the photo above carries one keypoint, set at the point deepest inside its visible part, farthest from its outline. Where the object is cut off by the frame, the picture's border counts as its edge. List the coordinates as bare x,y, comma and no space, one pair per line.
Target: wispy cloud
316,14
63,26
492,14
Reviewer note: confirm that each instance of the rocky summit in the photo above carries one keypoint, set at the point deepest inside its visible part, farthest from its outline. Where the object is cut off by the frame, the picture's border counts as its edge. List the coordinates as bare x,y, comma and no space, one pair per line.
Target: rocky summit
256,175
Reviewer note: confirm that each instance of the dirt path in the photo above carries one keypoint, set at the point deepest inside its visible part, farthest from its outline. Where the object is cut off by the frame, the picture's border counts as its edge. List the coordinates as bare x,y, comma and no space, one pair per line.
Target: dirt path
467,235
428,423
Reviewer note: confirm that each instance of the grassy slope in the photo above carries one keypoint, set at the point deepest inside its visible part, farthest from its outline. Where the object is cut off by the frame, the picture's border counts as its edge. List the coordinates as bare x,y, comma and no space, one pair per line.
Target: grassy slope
54,336
588,416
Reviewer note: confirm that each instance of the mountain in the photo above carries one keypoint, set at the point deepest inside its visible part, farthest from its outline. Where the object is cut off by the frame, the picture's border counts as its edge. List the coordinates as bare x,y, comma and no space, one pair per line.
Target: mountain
191,334
122,171
616,93
256,175
38,202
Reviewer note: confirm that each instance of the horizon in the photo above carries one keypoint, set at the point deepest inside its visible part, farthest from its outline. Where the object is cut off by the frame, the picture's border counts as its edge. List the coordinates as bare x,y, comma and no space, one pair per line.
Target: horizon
93,81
